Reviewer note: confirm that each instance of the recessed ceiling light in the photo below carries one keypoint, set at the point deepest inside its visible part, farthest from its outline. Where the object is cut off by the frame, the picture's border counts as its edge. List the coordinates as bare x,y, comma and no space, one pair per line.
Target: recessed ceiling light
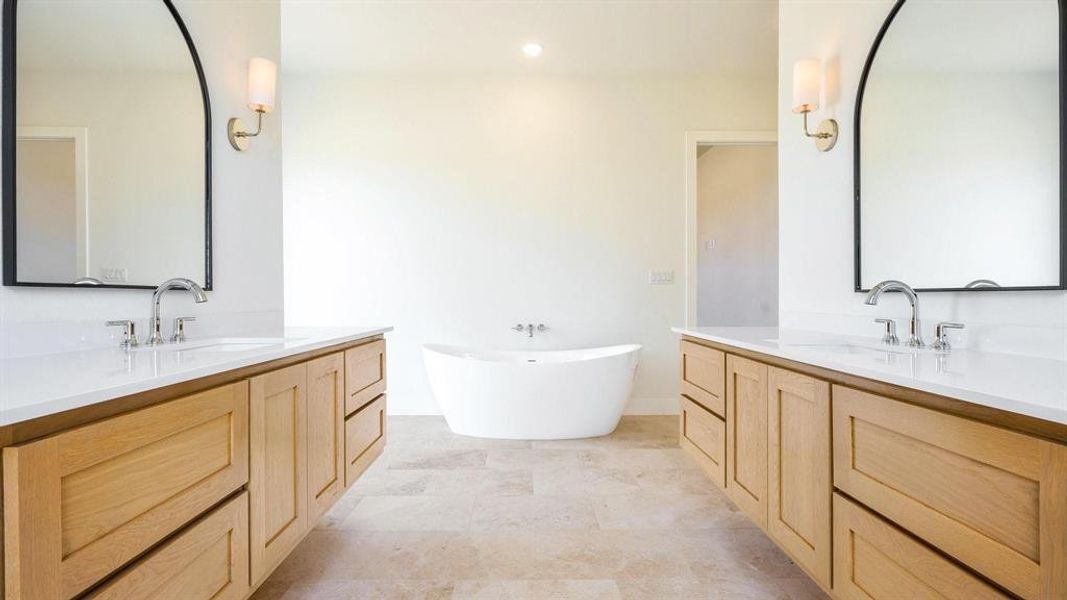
532,49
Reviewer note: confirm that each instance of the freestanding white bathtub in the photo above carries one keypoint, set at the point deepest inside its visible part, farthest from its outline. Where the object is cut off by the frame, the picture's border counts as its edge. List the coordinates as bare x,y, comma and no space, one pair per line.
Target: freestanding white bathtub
531,395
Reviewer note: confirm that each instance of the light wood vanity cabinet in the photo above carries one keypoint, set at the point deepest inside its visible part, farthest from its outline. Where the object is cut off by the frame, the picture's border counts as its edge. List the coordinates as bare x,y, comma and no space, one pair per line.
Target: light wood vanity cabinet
277,484
877,497
326,433
80,504
365,374
206,561
798,465
873,559
703,434
993,499
196,497
702,376
746,436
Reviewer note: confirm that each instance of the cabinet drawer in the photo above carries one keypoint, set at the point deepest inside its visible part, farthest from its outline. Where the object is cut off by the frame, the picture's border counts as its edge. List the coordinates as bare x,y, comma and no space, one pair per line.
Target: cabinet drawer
703,372
83,503
704,435
364,375
993,499
364,438
874,560
207,561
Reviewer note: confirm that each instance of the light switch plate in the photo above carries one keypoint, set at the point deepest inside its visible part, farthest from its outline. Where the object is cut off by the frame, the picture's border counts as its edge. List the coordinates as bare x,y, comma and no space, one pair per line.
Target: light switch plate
114,274
660,277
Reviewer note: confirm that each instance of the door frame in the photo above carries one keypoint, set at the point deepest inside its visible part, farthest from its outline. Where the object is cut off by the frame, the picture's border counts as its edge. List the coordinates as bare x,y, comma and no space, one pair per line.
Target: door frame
80,137
693,140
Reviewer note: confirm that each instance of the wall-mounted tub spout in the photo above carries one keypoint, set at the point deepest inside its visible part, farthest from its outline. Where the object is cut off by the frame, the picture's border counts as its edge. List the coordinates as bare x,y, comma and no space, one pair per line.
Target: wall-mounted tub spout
529,328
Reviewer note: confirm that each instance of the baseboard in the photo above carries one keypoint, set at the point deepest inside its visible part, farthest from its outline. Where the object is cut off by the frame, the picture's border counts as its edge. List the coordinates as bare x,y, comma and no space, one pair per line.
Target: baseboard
652,406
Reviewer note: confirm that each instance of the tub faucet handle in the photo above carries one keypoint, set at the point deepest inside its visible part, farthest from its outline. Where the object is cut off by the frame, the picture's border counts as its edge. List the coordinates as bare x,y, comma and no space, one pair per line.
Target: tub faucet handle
520,328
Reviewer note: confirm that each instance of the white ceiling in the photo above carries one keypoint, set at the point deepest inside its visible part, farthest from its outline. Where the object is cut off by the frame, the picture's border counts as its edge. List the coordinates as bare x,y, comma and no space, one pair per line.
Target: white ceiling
714,37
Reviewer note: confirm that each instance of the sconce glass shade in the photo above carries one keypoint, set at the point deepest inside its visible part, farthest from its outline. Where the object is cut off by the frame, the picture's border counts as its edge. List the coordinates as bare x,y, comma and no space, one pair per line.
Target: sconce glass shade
807,78
262,81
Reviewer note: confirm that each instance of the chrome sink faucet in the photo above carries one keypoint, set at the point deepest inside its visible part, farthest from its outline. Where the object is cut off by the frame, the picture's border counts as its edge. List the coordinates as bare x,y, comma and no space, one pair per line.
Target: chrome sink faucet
155,335
915,340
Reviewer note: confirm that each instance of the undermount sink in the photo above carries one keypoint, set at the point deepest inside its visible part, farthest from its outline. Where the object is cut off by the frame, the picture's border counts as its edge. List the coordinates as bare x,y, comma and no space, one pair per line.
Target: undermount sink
222,345
839,347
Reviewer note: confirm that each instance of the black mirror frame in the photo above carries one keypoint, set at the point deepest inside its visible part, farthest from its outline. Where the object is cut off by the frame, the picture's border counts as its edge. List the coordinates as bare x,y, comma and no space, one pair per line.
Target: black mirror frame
8,149
1063,152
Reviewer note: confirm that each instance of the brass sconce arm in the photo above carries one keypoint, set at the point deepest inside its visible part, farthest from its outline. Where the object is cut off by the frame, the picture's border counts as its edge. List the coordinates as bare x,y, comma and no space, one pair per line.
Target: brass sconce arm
825,136
259,127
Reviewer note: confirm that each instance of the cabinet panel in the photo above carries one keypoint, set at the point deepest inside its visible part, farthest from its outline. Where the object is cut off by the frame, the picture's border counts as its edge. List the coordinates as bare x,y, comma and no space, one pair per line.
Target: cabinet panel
81,504
875,561
364,374
799,493
364,438
277,482
206,561
326,431
746,436
703,376
703,435
991,498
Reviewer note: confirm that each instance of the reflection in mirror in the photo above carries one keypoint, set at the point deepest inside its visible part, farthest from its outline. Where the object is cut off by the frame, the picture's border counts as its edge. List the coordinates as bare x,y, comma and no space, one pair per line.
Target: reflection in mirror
958,153
110,165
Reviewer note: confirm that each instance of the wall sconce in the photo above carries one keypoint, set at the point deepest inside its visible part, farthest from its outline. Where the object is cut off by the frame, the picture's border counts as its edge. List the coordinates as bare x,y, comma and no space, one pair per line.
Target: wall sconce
262,81
807,79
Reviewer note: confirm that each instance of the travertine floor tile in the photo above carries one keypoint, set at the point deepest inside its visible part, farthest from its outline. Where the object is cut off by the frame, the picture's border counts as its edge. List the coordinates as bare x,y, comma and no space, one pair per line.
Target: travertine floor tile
573,589
422,458
410,513
584,481
653,510
444,482
533,513
626,516
543,459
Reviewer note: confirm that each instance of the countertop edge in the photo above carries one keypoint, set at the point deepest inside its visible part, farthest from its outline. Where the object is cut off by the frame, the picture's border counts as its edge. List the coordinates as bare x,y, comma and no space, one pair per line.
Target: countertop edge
956,393
98,396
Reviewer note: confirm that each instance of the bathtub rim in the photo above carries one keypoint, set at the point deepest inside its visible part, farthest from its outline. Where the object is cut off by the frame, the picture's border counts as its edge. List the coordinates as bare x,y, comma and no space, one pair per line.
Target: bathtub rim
480,355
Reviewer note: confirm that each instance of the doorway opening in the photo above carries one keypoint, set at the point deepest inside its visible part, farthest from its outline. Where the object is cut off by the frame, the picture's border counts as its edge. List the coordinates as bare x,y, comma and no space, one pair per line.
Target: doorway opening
732,229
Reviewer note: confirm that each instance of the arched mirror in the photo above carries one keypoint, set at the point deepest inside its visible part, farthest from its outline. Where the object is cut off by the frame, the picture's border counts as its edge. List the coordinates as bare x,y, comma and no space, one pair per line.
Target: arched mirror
106,146
959,137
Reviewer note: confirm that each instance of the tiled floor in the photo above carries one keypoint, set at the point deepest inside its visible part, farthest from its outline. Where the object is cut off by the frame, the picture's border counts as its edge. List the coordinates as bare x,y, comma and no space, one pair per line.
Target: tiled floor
446,517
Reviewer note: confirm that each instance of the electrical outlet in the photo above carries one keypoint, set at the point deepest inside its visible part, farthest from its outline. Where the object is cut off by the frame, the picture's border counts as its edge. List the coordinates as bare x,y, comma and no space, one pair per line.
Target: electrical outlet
115,274
660,277
709,245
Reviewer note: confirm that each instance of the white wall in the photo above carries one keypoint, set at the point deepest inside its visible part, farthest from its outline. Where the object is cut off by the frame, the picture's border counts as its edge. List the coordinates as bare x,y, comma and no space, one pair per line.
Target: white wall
247,208
737,210
815,198
454,208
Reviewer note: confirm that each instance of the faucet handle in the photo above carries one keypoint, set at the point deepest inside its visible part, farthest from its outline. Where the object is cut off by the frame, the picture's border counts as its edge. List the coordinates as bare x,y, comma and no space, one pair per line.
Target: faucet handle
129,331
890,337
941,343
179,329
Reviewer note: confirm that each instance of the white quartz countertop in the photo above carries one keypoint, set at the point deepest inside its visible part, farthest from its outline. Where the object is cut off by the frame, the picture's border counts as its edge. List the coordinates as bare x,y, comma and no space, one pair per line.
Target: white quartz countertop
1036,387
40,385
